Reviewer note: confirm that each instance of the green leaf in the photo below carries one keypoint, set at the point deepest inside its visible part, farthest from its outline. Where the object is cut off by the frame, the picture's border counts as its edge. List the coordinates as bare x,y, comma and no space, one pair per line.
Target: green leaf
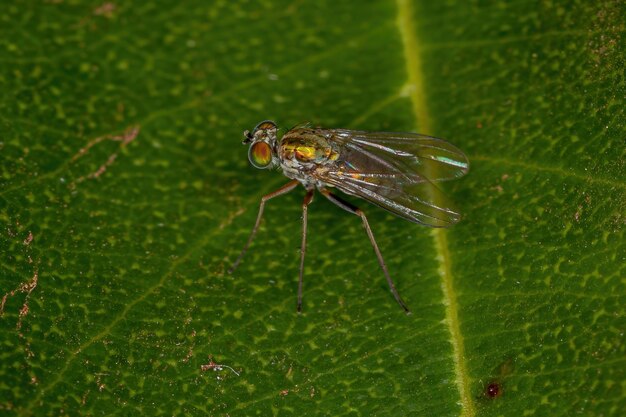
125,195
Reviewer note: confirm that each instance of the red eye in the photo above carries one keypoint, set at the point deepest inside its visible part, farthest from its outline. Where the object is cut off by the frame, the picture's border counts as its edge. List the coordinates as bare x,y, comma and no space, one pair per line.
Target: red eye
260,155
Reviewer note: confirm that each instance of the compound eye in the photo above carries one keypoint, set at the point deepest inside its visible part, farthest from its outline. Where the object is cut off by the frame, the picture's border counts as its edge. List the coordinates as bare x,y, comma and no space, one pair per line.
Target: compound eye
260,155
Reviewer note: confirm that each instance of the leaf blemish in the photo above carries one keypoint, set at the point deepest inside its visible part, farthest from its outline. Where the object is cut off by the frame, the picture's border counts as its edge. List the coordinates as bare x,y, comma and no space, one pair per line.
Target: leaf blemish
212,366
193,344
127,137
28,239
105,10
493,390
25,287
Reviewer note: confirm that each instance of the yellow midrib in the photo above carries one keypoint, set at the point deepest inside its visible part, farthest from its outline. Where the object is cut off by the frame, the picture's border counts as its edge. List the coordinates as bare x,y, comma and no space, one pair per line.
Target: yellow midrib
420,108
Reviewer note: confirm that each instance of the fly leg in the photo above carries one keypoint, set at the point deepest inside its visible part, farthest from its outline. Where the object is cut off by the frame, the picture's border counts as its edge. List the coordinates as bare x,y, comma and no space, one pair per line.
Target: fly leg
305,206
355,210
282,190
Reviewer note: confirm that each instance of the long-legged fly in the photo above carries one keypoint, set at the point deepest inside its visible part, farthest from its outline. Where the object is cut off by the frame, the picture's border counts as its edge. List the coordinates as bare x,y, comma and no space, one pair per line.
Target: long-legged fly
395,171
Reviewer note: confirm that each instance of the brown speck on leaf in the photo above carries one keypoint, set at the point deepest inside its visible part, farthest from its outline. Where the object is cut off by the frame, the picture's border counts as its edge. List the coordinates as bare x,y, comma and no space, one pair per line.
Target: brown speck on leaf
29,238
23,313
479,125
84,399
190,351
99,382
129,135
105,10
578,213
25,287
189,355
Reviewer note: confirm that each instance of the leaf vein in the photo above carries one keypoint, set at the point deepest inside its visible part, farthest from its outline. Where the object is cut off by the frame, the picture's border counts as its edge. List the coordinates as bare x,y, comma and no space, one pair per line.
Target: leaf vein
412,49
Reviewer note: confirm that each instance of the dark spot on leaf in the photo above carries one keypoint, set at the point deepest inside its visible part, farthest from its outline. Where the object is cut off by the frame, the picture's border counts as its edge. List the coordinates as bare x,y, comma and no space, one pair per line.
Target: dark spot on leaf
493,390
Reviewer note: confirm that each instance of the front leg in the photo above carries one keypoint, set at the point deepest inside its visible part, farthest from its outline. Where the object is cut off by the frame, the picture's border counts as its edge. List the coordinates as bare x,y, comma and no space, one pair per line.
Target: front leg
282,190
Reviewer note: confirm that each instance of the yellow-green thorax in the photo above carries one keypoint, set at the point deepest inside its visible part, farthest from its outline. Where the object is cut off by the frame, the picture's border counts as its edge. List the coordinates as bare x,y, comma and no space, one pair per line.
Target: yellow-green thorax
303,150
306,146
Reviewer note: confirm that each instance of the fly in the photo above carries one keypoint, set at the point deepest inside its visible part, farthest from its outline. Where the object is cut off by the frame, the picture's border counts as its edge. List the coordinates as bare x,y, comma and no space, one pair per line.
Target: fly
395,171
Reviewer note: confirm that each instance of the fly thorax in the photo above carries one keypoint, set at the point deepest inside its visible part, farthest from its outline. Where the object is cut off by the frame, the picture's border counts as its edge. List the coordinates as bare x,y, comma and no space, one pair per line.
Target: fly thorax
306,150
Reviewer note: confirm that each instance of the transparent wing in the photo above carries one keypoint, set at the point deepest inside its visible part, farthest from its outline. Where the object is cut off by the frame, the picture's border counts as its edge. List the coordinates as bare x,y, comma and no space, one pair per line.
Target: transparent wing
396,171
431,158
